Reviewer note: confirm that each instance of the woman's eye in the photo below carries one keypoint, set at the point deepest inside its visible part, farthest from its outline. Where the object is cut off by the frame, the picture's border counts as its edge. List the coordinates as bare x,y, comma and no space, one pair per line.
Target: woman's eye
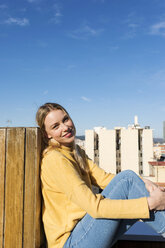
66,118
55,127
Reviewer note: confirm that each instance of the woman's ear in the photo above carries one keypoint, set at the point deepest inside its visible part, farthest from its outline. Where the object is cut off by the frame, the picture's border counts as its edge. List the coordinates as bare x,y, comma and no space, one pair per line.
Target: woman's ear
47,136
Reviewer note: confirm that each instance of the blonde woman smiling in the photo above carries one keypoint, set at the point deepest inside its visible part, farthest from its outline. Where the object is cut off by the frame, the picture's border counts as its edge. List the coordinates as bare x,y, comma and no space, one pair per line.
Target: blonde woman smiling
75,217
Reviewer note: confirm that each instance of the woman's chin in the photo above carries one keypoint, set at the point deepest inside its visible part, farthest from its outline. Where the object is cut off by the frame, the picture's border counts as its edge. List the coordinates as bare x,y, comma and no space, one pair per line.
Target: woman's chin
68,141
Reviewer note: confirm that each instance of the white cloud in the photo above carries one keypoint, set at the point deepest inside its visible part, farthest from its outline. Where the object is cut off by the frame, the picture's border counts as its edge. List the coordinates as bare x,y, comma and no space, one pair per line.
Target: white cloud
17,21
158,29
133,24
54,8
132,30
85,32
84,98
57,14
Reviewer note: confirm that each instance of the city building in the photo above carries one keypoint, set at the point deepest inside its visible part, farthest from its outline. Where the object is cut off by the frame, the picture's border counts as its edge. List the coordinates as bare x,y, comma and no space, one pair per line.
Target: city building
159,150
80,142
121,149
159,172
164,130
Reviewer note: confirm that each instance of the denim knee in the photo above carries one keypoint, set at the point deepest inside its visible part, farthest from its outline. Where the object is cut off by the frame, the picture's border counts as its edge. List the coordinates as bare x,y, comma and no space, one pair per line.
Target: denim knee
124,181
129,173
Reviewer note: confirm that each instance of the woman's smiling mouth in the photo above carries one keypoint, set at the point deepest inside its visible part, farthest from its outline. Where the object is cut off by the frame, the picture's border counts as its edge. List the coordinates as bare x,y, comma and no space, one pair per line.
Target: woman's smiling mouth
68,134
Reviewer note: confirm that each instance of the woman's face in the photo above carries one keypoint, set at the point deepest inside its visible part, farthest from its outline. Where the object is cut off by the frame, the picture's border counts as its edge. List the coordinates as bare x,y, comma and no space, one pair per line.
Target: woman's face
59,126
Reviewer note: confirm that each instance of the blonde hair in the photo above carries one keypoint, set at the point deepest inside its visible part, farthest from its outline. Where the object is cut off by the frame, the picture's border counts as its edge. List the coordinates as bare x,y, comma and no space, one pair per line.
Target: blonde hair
52,143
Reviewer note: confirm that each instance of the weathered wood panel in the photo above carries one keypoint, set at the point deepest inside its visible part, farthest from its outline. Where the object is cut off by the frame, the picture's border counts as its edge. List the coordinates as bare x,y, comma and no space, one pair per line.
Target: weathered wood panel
14,188
30,187
33,236
20,192
2,180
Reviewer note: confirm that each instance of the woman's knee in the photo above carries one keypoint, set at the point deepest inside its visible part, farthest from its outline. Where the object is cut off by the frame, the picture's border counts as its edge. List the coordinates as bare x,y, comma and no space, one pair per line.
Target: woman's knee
130,176
127,174
122,180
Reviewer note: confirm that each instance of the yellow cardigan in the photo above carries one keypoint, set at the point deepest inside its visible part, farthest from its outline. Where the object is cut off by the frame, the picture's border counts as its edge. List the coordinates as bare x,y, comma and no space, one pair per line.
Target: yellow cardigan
68,197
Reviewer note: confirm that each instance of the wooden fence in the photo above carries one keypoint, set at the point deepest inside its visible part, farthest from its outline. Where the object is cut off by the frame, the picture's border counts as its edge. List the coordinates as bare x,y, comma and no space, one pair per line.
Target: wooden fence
20,196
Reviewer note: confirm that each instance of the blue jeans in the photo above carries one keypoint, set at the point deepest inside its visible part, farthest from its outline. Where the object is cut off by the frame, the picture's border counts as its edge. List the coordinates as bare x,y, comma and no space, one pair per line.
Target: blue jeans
102,233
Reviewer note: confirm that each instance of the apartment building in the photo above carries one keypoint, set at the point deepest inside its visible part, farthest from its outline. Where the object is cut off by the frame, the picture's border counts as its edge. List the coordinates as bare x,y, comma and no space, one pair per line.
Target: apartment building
121,149
159,171
159,150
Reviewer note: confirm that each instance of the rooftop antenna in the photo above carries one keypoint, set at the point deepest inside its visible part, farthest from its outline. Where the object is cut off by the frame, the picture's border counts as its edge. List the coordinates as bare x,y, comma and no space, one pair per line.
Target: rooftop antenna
136,121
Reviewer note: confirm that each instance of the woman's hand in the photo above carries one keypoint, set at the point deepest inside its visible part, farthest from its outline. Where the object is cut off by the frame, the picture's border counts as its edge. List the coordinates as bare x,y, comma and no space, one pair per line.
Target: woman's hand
150,186
156,200
161,188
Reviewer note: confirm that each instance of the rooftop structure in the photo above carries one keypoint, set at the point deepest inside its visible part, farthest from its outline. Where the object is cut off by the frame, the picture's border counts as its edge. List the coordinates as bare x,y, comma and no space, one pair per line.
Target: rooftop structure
164,130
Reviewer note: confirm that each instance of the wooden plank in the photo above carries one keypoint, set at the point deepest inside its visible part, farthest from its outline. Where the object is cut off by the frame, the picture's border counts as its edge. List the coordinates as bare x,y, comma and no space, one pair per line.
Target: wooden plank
2,180
40,235
32,204
14,188
29,194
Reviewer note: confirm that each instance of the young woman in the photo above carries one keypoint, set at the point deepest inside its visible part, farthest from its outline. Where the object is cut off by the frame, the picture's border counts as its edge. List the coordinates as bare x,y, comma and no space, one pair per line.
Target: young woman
75,217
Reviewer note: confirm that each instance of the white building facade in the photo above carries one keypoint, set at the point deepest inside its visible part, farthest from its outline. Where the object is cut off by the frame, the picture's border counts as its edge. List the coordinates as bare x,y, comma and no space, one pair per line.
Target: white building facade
121,149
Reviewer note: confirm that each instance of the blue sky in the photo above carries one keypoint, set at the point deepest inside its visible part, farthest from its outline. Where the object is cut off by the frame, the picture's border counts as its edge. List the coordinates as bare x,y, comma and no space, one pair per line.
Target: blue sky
103,60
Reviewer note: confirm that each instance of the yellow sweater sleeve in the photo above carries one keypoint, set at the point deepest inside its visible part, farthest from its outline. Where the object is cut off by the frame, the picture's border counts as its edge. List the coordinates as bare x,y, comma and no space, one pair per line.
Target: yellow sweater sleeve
64,177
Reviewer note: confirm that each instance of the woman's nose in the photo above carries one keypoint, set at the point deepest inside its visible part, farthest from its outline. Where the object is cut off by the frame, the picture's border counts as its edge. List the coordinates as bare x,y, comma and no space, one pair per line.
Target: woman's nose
64,127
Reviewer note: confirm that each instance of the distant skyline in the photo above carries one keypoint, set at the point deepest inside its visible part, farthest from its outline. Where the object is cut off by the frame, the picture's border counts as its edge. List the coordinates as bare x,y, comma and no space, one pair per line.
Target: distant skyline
103,60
